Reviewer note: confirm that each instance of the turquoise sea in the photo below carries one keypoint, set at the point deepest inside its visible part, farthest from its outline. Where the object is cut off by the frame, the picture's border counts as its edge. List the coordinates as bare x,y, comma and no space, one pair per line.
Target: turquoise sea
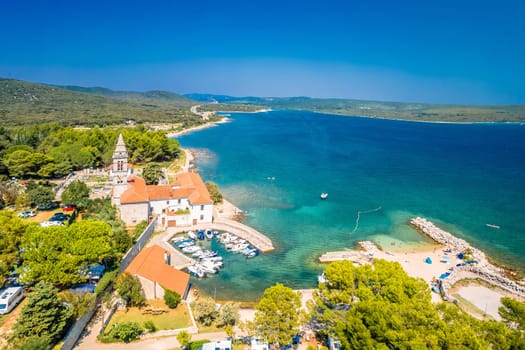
461,176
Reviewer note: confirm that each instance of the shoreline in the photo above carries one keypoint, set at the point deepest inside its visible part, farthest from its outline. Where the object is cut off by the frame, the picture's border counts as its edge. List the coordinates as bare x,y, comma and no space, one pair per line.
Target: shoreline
411,120
198,128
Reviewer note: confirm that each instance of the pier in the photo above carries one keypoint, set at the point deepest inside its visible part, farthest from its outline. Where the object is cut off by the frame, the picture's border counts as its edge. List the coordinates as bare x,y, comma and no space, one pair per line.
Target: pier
251,235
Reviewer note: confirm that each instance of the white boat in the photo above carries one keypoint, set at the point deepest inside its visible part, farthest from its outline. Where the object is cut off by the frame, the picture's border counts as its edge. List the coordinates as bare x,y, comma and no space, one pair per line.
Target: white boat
178,239
324,195
196,271
192,235
493,226
214,258
252,253
186,244
239,246
211,264
207,268
191,249
208,233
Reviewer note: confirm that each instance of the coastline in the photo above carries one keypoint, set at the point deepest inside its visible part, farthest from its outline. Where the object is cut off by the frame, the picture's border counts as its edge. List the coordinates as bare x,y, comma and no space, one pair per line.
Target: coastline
413,120
198,128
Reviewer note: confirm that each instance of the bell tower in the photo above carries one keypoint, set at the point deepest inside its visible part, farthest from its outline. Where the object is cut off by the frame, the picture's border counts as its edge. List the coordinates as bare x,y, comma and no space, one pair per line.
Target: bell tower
120,170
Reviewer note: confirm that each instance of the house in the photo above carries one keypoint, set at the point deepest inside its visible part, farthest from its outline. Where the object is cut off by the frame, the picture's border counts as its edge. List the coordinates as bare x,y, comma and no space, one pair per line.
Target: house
153,268
184,202
258,344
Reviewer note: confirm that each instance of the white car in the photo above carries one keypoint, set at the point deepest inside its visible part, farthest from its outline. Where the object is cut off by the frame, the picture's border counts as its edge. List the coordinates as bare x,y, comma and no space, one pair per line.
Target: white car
51,223
27,214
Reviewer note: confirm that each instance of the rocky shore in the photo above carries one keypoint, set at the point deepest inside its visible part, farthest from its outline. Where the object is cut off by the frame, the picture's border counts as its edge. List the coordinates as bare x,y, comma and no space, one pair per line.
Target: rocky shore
482,268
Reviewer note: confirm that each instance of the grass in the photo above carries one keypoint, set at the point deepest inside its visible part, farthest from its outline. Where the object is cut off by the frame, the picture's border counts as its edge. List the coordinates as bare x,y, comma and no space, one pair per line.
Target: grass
172,319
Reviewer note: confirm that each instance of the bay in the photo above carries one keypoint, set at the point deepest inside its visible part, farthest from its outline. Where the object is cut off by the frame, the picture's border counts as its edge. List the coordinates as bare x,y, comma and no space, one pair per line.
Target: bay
275,165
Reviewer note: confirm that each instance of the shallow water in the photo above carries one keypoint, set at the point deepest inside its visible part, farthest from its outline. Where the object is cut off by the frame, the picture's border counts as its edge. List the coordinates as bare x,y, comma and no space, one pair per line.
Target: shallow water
461,176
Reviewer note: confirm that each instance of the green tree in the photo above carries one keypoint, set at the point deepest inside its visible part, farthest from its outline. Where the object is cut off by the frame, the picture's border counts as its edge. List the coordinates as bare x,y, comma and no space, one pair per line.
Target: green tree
34,343
126,331
43,316
152,173
76,193
184,339
229,314
40,194
513,312
277,317
171,298
79,303
11,230
26,164
215,194
56,254
130,290
205,311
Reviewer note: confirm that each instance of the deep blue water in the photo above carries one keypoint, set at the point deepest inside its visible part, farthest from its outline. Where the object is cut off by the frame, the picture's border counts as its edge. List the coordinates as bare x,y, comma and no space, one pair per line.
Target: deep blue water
461,176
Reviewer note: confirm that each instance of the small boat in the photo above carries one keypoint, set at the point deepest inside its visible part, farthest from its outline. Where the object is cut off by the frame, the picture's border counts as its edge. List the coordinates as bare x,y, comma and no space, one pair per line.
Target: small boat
252,253
324,195
492,226
208,234
191,249
196,271
321,278
200,235
186,244
207,268
192,235
239,246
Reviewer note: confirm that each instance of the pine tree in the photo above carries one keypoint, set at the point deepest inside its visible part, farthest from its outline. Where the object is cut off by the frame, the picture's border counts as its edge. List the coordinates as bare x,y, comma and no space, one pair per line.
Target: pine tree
44,316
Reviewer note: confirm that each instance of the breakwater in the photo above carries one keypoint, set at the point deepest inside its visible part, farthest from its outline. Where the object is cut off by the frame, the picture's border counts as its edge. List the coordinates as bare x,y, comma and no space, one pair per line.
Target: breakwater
482,268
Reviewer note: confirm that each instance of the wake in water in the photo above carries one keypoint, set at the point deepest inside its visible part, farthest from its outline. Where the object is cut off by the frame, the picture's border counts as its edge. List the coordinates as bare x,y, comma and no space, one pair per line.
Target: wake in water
359,212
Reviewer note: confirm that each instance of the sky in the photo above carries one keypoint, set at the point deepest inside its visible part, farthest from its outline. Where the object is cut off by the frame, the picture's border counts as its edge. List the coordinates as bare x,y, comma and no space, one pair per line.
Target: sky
448,51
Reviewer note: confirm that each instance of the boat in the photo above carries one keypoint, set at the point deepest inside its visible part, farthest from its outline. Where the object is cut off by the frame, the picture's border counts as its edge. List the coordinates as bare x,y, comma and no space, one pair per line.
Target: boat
239,246
212,263
324,195
492,226
321,278
192,235
186,244
200,235
196,271
252,253
208,234
191,249
207,268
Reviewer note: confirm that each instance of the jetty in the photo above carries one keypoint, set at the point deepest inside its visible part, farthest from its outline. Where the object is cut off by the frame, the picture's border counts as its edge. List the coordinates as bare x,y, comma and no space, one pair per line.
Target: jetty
251,235
482,268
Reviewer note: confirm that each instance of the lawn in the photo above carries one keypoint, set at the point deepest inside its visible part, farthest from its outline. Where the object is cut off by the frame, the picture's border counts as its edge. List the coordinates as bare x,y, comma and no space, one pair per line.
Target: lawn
172,319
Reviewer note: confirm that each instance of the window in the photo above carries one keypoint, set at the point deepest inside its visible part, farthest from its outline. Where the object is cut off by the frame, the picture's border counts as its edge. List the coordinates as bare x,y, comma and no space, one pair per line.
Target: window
168,202
179,201
202,217
202,207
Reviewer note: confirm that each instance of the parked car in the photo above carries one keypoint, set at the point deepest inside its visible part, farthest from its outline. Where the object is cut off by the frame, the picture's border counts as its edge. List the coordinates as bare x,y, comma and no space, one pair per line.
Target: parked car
51,223
49,206
59,217
27,214
69,207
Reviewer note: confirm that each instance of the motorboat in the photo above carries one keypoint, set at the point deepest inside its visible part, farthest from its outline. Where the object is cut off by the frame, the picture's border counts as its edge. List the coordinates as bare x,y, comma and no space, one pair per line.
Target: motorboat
209,234
196,271
192,235
191,249
324,195
186,244
200,235
239,246
252,253
492,226
207,268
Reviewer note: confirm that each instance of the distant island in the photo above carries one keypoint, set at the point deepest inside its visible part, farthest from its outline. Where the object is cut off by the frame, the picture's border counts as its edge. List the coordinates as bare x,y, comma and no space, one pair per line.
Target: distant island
27,103
376,109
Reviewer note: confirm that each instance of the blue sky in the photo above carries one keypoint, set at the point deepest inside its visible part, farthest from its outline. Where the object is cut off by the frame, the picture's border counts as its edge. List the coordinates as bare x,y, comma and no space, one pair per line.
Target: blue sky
422,51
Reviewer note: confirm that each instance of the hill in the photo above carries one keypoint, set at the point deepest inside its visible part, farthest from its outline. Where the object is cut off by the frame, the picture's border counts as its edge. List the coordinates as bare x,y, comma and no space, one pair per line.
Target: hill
378,109
23,103
156,95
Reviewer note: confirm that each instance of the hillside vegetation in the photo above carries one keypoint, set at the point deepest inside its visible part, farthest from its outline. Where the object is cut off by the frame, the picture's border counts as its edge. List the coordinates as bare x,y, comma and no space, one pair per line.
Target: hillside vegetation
377,109
23,103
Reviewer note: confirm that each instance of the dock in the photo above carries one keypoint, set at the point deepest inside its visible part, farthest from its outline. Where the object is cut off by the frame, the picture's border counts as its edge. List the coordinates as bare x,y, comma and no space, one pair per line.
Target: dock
251,235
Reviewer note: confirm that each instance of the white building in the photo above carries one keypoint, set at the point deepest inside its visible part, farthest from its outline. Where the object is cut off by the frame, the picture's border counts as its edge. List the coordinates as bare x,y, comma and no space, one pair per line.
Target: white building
184,202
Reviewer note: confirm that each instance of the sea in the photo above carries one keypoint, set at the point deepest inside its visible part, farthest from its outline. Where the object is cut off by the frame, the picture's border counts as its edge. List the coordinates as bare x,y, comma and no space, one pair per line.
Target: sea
377,173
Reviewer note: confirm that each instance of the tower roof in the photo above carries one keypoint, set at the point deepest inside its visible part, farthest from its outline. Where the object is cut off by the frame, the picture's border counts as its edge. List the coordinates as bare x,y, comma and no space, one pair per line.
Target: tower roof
120,149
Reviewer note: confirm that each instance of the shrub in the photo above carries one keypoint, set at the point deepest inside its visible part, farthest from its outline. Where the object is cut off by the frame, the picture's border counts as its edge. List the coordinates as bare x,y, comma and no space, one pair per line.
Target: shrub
215,194
150,326
205,311
126,332
171,298
195,345
105,281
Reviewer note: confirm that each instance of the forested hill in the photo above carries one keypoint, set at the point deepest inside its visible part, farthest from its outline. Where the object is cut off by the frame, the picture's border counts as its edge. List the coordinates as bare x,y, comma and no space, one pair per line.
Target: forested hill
389,110
23,103
157,95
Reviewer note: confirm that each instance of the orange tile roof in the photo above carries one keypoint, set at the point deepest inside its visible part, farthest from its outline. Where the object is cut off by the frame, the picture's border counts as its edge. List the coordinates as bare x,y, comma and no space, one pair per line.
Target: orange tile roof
136,192
186,185
150,264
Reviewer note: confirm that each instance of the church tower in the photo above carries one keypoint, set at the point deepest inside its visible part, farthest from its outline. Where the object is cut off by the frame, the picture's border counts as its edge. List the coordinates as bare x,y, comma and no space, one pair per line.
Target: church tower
120,171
